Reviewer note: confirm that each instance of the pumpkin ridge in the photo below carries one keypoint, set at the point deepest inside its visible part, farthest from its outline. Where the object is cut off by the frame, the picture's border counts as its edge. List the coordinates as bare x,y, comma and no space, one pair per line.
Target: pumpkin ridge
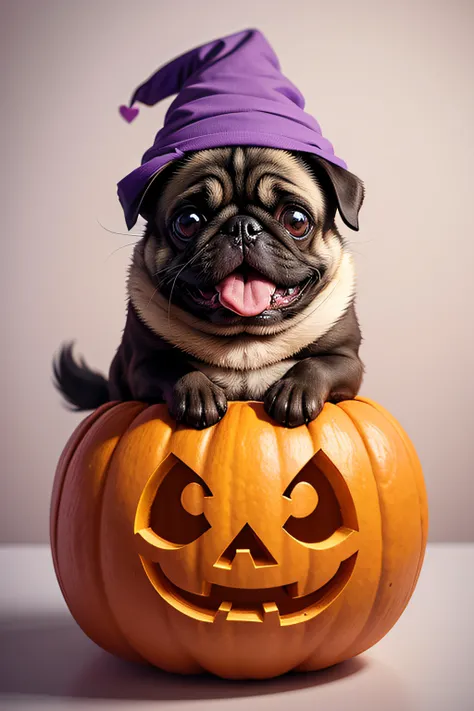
317,650
145,418
60,477
419,482
362,632
360,643
101,581
234,415
105,420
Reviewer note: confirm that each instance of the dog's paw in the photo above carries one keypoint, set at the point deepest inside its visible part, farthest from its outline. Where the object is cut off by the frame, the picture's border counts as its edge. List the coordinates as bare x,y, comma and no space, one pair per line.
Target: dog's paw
197,402
293,402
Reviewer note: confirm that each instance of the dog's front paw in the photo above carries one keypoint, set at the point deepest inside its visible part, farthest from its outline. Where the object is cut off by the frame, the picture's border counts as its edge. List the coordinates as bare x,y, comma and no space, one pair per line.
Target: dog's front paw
292,401
196,401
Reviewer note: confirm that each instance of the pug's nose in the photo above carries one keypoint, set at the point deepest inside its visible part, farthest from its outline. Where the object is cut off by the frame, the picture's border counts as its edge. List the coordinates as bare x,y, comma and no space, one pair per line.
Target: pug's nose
242,229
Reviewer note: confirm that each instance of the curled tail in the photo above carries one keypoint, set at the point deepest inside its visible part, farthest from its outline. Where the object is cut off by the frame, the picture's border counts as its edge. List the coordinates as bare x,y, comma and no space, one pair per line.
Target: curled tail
82,388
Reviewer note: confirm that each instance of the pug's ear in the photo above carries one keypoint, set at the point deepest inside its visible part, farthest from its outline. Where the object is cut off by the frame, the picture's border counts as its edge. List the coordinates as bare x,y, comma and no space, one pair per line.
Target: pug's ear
148,201
348,189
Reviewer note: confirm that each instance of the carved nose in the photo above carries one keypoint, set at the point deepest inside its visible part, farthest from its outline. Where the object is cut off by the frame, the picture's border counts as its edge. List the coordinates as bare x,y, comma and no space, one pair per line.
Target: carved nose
247,540
243,228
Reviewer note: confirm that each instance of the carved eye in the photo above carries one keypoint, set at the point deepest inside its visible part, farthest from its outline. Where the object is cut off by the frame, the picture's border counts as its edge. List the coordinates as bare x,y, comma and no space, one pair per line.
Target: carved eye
192,498
177,514
316,512
304,499
295,221
188,223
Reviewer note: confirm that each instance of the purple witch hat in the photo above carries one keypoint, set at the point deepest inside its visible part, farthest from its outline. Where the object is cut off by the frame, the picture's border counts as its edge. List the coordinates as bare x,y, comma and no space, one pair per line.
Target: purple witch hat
229,92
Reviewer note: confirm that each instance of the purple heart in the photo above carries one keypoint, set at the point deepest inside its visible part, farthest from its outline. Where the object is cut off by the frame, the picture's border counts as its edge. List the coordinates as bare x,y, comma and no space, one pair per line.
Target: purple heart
128,113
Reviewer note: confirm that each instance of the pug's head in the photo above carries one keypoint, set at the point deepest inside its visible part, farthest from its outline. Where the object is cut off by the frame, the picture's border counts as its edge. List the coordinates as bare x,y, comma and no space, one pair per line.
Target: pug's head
245,236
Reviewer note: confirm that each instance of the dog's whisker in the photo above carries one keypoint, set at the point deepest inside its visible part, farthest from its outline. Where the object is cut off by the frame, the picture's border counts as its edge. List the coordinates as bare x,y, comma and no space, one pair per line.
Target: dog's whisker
358,241
169,269
195,256
173,268
356,251
151,298
166,269
321,303
113,232
130,244
295,312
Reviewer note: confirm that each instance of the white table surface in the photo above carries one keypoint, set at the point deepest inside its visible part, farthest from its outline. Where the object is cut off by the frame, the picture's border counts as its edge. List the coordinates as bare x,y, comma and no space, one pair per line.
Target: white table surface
425,662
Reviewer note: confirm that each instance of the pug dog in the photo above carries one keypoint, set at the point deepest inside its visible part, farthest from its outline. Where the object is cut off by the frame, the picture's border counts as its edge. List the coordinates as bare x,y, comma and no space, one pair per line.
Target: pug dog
241,288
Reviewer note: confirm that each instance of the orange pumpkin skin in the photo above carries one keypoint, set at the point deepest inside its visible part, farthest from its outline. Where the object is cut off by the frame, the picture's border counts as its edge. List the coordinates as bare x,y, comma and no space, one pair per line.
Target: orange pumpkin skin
246,549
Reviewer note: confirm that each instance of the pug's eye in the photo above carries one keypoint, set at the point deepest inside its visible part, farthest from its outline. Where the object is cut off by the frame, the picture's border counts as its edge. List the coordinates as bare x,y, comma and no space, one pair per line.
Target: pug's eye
187,223
295,221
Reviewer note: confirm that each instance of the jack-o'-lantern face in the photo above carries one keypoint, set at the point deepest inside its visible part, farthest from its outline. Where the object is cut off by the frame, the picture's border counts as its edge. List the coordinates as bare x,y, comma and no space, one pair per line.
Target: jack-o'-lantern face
247,549
257,543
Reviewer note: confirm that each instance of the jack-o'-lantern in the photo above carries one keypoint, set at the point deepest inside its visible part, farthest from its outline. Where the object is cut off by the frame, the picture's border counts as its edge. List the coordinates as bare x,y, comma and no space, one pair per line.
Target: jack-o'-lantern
245,549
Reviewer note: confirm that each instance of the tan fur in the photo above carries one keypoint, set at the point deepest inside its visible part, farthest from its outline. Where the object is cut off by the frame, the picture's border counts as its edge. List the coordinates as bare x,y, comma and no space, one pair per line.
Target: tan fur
203,165
239,168
249,384
329,248
213,188
251,347
266,190
215,193
156,259
294,177
208,165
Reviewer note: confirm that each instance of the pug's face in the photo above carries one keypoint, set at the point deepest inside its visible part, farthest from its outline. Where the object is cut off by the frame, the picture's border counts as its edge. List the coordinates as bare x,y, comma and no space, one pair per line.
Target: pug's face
247,235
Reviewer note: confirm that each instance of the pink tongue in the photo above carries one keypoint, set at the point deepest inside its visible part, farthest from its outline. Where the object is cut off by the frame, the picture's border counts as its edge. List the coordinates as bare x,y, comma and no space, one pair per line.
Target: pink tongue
247,298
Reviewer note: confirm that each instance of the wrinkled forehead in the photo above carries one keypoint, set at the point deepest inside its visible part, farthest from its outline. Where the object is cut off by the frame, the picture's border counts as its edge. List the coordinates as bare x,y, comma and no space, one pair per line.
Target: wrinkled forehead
221,176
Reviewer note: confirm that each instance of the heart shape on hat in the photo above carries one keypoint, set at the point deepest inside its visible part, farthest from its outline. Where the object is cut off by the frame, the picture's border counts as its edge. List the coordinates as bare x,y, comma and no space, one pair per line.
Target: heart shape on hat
128,113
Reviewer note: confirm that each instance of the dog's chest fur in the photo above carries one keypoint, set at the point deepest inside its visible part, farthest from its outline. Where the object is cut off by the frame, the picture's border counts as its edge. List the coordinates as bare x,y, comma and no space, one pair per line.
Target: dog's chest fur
245,384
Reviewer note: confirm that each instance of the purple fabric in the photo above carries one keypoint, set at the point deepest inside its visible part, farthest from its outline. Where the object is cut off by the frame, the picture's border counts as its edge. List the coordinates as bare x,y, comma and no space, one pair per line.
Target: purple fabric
230,92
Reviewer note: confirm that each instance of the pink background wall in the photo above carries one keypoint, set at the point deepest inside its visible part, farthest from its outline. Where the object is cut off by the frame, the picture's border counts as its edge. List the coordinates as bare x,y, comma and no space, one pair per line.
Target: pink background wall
390,83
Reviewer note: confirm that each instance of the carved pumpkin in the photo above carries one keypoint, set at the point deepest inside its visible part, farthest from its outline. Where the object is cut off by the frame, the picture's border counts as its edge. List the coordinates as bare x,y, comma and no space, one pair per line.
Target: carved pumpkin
245,549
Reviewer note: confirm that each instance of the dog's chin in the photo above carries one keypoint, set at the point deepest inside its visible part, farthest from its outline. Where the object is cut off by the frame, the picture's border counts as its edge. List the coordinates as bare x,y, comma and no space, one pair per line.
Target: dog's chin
285,303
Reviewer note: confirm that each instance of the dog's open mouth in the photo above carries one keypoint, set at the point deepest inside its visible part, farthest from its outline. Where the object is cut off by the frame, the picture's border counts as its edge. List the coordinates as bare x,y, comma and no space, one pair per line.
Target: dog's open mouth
248,294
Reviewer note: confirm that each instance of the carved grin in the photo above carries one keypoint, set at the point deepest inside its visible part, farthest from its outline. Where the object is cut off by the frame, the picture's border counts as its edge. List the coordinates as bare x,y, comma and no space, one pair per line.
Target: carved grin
250,605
